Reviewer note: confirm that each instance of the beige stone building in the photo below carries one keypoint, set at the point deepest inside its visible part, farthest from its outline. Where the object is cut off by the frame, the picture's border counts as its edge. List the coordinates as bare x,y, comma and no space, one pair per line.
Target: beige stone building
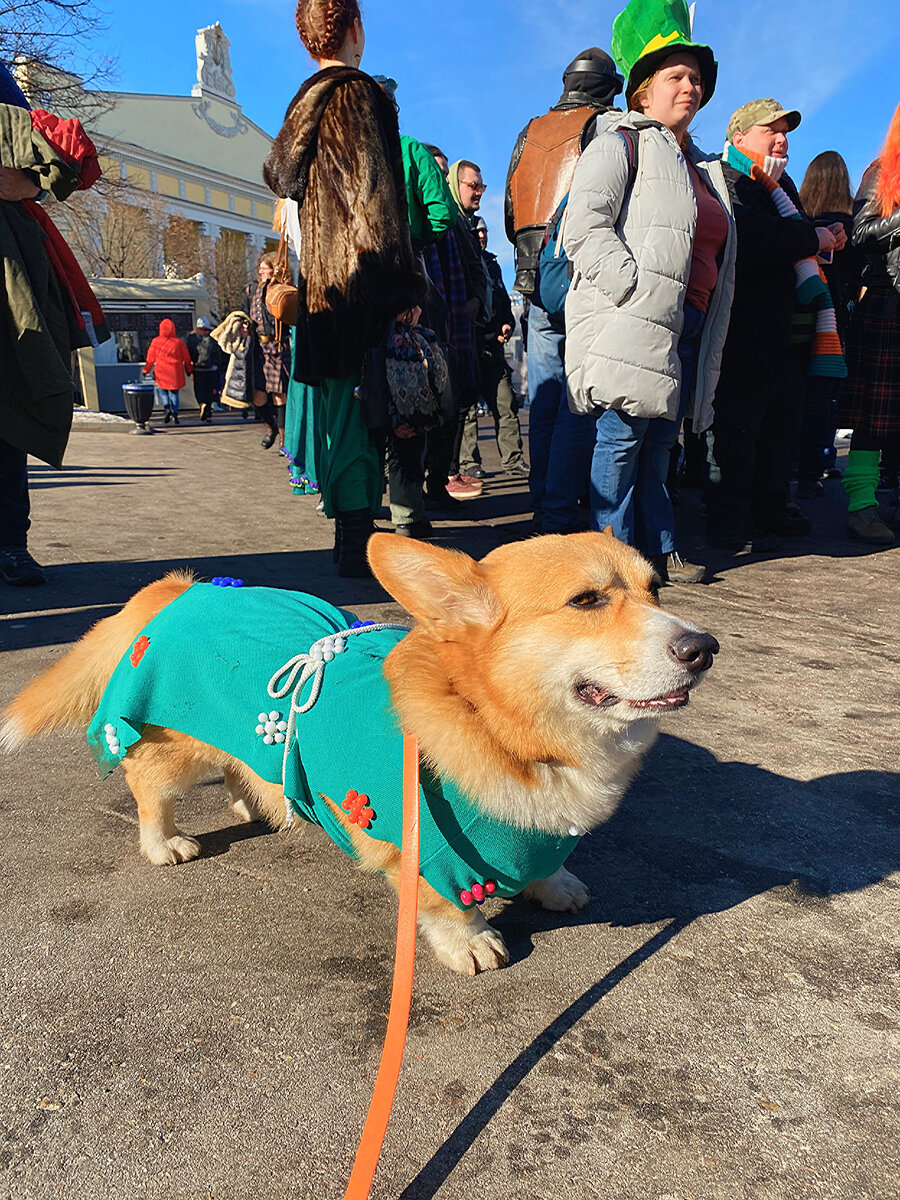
199,152
182,199
195,157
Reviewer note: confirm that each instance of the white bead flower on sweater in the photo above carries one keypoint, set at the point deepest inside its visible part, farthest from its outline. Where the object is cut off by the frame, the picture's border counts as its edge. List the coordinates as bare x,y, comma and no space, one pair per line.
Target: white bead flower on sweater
271,727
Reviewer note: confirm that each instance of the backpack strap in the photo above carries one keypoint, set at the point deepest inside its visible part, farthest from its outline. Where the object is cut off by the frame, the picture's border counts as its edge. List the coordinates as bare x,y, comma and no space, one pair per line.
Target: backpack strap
552,228
632,141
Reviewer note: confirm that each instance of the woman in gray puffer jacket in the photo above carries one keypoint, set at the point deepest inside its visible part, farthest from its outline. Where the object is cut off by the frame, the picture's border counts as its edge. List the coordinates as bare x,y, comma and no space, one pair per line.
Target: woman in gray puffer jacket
647,310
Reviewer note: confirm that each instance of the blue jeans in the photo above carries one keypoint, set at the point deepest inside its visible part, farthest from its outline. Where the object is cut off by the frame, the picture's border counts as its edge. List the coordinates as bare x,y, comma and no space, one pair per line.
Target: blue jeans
631,461
560,441
167,397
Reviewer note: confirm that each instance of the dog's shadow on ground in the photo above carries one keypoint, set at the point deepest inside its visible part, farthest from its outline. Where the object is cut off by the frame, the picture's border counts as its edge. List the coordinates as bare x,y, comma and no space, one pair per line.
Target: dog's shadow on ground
219,841
695,836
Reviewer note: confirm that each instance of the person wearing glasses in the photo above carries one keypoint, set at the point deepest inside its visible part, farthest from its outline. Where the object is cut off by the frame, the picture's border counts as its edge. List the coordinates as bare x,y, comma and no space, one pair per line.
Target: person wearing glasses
467,186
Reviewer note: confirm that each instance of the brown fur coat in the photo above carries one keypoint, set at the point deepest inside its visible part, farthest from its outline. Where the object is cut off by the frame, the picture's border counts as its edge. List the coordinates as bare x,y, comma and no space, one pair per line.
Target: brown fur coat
338,155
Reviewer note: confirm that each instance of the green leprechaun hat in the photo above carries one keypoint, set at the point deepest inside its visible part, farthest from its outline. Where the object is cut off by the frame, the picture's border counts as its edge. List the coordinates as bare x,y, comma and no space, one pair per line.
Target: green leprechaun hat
647,32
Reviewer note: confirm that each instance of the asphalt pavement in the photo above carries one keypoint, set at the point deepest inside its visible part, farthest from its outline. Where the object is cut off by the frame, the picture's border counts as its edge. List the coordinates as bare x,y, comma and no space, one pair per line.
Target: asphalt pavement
720,1024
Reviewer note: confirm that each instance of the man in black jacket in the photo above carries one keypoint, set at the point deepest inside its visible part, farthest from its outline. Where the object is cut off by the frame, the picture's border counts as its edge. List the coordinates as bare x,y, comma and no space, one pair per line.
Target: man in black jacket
495,388
208,363
759,399
540,174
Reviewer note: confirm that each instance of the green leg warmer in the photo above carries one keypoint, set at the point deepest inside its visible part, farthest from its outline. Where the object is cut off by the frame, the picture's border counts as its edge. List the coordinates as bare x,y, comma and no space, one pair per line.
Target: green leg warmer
861,478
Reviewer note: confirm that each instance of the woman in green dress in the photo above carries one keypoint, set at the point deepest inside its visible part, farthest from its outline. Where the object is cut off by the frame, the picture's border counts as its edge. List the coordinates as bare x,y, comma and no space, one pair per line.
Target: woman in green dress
338,156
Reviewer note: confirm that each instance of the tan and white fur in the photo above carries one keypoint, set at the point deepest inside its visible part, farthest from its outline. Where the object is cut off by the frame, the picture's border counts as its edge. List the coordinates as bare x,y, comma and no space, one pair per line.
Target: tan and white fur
534,679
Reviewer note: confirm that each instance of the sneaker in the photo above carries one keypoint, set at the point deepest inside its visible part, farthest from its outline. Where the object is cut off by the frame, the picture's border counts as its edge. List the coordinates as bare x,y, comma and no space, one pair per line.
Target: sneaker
865,525
468,480
168,416
462,488
671,568
19,569
416,529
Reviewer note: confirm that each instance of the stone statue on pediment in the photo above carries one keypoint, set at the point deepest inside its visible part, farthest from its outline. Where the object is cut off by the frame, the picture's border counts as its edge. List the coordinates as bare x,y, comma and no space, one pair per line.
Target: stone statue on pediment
213,62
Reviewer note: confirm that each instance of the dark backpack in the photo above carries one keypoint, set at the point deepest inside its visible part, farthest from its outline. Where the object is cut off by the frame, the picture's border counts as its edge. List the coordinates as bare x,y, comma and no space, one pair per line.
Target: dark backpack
554,271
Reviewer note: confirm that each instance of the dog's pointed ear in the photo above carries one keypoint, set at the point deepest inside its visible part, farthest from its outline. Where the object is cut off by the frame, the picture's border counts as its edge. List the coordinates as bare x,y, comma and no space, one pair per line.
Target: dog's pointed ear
609,530
444,590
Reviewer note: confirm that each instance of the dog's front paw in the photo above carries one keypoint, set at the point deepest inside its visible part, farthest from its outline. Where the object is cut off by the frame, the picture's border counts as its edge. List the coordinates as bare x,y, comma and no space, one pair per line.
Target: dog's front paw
562,892
467,947
165,852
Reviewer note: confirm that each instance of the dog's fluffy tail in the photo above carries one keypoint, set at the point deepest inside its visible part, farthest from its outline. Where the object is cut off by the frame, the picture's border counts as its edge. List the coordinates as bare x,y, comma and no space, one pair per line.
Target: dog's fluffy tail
67,694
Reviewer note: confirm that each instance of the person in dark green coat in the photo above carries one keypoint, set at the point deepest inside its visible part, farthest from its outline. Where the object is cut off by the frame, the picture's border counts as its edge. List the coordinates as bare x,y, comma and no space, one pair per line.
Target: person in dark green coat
432,213
39,324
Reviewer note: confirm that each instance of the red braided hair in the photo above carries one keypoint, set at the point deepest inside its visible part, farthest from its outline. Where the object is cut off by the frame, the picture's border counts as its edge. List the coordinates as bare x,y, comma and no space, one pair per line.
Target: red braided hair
323,25
888,192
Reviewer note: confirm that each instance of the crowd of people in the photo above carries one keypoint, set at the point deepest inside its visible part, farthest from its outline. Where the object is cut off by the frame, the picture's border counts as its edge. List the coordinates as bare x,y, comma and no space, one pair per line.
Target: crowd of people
689,316
686,311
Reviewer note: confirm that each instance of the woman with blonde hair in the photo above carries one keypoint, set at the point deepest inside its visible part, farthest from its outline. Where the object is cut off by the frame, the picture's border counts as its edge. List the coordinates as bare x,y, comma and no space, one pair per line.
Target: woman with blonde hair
870,401
338,155
651,238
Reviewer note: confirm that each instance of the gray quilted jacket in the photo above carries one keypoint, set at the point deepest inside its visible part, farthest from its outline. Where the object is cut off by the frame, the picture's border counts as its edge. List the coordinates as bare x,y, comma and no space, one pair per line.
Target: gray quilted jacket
632,257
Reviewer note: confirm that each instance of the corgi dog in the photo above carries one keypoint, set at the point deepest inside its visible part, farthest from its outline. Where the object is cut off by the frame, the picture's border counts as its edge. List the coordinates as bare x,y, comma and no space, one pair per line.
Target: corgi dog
533,680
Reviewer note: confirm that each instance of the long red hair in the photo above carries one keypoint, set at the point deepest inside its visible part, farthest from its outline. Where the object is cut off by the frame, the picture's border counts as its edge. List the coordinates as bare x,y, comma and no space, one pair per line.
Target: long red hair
888,192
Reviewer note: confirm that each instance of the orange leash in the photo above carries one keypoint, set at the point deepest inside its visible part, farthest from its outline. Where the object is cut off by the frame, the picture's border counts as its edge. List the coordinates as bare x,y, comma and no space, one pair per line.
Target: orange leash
401,995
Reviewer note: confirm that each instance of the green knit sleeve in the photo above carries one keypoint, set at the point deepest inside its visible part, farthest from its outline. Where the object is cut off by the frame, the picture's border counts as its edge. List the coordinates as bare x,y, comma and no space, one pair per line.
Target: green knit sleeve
434,199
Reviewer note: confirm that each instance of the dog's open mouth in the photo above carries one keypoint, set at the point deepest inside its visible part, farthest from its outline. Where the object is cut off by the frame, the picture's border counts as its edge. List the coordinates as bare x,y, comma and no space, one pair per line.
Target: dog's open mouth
597,697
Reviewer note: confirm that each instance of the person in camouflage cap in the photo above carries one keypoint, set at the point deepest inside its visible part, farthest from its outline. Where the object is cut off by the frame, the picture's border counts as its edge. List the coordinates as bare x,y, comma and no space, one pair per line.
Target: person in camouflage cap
781,333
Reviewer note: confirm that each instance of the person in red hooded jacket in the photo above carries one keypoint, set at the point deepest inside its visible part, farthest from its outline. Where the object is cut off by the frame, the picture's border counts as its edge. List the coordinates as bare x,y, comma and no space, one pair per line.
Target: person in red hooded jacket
169,359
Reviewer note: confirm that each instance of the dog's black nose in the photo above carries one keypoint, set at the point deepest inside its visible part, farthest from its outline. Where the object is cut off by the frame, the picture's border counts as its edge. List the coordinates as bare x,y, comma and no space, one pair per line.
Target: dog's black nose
694,650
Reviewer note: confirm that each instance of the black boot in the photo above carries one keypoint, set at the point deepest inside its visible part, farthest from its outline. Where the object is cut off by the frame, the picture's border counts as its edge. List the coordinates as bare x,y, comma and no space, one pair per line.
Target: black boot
352,536
266,413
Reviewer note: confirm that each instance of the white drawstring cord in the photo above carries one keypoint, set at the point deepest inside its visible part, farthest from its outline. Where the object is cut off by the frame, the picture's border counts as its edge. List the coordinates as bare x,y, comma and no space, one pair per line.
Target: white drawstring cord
311,666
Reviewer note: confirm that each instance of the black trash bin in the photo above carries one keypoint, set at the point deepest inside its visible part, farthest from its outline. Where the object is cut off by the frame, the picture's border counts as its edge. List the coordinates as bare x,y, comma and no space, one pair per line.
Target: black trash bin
138,399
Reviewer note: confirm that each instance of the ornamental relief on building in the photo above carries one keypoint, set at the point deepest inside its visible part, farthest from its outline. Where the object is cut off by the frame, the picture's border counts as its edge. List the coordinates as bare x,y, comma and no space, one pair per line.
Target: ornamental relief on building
240,124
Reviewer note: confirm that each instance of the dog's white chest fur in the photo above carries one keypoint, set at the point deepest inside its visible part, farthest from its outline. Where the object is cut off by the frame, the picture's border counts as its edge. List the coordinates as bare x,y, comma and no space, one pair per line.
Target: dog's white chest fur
576,797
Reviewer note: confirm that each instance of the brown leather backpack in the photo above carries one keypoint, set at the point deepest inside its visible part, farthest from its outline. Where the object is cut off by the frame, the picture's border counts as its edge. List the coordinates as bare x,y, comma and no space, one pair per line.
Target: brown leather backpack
282,294
544,171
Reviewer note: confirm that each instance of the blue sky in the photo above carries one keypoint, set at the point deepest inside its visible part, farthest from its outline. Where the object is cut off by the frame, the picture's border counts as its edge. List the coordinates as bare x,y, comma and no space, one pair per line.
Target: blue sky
472,75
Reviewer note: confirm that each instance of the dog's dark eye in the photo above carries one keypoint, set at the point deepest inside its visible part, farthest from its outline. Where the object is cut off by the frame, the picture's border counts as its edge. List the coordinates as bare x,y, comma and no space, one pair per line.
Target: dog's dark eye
587,600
